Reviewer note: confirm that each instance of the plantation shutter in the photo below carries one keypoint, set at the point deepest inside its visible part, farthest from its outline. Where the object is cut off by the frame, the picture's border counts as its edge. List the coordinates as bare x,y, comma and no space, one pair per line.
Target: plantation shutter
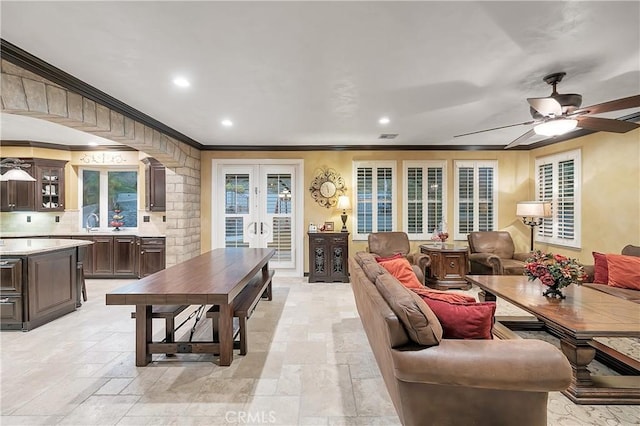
385,197
375,197
415,202
545,193
365,200
465,199
435,183
558,182
566,202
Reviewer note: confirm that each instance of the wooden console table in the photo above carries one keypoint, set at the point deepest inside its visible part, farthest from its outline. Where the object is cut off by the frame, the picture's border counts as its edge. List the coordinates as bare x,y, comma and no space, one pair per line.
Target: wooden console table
213,278
328,256
449,265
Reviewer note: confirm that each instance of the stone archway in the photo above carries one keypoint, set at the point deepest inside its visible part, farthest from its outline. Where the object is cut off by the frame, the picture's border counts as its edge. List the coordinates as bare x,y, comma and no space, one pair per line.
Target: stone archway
26,93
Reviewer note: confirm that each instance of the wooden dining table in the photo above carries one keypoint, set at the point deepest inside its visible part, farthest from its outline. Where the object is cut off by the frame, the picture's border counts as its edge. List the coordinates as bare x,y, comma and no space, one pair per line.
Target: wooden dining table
213,278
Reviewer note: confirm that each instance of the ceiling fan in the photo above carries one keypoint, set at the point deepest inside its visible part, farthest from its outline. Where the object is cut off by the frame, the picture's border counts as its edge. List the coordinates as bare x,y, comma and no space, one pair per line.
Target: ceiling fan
559,113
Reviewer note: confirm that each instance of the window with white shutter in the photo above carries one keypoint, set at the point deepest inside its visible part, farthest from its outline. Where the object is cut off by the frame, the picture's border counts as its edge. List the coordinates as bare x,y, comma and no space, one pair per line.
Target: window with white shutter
557,182
476,197
425,197
375,198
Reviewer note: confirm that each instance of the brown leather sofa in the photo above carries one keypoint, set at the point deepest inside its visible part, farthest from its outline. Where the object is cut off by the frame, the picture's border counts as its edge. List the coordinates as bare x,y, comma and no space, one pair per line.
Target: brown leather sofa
456,382
493,253
386,244
623,293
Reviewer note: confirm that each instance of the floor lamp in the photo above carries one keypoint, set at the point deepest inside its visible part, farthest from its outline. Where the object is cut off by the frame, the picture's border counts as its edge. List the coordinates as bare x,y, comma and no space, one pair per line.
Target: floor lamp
532,213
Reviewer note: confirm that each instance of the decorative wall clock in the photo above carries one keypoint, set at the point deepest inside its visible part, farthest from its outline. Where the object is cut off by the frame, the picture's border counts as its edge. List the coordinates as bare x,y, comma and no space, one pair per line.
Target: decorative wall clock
326,187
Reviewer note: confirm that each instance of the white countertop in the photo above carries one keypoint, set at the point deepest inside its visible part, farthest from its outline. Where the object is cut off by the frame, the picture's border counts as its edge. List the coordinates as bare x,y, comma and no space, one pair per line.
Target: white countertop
83,233
27,246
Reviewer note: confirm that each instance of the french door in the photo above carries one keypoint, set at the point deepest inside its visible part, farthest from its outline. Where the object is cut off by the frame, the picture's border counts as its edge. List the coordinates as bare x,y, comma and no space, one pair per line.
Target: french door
258,205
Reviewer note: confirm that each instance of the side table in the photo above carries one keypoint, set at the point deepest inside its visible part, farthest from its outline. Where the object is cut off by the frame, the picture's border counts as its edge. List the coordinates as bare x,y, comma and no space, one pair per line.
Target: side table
328,256
449,266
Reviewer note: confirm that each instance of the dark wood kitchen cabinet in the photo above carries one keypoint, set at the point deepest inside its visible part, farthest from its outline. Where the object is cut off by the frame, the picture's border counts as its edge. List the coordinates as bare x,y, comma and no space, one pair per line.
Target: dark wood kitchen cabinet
124,255
155,185
11,293
49,176
328,254
18,196
152,255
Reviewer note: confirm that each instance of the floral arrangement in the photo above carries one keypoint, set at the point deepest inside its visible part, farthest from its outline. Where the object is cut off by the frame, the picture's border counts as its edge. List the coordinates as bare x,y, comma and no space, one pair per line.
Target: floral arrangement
554,270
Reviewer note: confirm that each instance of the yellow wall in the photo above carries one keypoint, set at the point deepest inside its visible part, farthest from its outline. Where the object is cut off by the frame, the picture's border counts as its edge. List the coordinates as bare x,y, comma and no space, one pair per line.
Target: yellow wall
513,180
610,192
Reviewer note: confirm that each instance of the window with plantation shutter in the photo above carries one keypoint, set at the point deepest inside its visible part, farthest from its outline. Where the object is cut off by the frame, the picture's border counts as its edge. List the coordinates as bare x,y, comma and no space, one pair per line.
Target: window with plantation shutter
557,182
424,195
476,190
375,198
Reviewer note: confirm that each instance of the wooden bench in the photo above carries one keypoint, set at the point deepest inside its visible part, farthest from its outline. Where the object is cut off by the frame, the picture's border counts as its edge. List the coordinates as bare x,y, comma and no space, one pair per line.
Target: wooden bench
243,306
169,313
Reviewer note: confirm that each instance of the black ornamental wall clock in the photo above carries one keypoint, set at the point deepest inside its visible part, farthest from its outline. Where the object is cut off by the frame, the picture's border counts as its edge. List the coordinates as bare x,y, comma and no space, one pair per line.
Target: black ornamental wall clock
326,187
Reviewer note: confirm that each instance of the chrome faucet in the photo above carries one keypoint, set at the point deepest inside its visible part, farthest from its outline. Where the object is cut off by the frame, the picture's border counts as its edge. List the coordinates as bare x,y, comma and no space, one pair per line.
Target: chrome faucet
96,221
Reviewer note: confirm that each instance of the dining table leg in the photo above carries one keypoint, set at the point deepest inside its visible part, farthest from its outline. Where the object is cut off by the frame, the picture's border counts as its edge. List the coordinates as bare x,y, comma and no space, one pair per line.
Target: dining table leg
144,334
225,334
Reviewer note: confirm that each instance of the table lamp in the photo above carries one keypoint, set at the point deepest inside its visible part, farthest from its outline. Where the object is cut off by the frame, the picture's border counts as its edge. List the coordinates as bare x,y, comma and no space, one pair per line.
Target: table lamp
532,213
344,204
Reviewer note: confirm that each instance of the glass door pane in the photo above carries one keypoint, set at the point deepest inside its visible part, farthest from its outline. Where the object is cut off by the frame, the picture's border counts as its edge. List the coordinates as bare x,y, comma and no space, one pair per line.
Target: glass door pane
278,216
237,210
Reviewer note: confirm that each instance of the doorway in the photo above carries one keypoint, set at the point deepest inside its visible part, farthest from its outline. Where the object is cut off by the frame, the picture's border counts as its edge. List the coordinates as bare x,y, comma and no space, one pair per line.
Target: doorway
257,204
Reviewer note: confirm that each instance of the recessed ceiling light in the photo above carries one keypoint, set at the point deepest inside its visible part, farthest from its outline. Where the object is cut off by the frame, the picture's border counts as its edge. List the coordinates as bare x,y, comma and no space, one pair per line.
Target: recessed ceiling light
227,123
181,82
384,120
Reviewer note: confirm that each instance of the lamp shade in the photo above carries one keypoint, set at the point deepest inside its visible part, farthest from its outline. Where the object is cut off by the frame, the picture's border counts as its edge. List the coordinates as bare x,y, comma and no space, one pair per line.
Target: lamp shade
555,127
344,203
533,209
16,174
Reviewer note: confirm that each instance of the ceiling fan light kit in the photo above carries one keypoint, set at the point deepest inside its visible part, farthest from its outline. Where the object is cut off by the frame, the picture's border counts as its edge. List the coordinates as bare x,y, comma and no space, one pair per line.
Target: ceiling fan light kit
559,113
556,127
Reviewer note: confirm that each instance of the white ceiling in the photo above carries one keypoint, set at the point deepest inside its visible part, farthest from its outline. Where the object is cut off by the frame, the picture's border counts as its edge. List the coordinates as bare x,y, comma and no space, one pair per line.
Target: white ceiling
314,73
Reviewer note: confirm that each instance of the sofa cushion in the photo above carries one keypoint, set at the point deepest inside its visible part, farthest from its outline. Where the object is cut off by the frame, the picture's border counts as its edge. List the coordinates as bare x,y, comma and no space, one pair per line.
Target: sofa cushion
463,320
401,269
443,295
600,268
624,271
420,322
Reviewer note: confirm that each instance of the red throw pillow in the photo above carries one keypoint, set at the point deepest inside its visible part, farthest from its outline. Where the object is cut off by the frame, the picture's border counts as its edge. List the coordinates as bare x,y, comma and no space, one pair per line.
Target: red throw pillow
601,270
444,296
624,271
463,320
401,269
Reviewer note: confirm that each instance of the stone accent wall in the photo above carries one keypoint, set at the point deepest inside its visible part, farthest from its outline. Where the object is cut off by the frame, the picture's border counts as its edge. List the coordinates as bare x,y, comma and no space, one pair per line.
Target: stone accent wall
25,93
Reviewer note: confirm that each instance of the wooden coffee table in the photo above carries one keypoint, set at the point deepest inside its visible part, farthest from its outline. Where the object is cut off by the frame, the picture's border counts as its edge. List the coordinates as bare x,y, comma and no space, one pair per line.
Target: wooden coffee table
576,320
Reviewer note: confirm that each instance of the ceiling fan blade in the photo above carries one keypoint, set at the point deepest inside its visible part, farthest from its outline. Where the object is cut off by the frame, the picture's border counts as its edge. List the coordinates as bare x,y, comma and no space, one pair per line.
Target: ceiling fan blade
521,139
605,124
546,106
526,123
622,103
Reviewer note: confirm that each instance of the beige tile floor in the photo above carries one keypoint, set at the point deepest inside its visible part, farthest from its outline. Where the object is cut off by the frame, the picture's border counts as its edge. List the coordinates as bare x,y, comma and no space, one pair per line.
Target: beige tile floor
309,364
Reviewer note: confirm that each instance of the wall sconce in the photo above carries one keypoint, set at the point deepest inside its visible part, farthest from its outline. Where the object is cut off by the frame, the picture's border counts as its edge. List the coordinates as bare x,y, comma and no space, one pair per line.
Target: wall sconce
15,171
532,213
344,204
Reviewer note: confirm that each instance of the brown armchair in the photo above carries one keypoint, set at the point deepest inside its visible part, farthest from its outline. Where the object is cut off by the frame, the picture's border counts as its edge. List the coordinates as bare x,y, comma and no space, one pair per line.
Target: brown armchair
493,253
386,244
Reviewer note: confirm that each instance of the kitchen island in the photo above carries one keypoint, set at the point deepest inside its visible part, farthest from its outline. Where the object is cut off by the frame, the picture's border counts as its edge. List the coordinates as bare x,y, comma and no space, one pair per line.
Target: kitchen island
40,280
